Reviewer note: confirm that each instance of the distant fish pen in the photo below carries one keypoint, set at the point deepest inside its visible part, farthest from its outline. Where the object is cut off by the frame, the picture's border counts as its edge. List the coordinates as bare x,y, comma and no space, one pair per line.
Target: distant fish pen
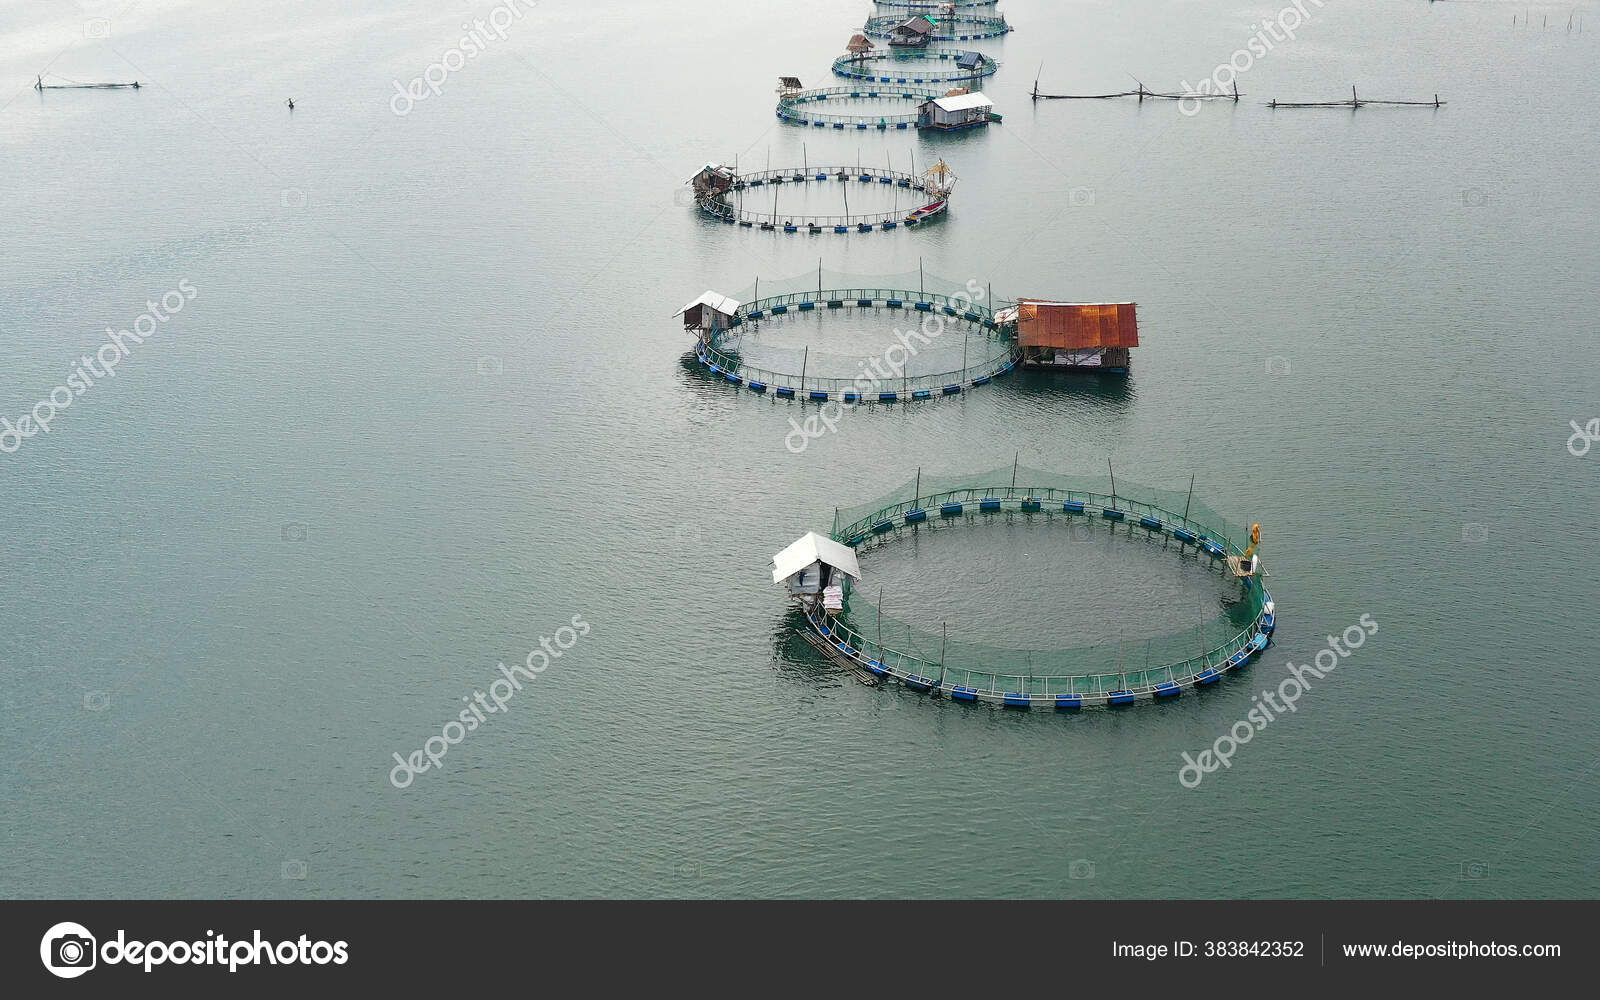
1141,93
716,190
730,367
717,322
957,28
969,65
41,86
856,634
1355,102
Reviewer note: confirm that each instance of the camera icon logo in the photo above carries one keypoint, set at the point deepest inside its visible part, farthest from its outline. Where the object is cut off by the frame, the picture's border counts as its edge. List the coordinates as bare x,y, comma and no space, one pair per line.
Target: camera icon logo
68,950
490,366
1474,197
683,197
292,198
97,27
295,531
294,869
1474,871
1080,197
1474,532
96,701
1278,365
1080,869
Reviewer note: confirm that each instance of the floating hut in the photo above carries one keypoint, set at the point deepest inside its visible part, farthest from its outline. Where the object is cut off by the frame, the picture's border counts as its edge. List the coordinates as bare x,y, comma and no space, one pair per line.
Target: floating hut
816,566
859,44
956,111
709,314
789,85
912,33
713,179
1069,336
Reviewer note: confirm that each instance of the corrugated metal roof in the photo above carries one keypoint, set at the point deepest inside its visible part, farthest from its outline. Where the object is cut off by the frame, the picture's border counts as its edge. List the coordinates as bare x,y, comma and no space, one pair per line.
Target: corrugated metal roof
1077,324
812,547
963,102
721,303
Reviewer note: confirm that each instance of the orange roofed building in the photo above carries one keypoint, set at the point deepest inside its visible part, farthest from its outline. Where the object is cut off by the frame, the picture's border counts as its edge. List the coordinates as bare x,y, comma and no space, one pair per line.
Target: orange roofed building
1076,335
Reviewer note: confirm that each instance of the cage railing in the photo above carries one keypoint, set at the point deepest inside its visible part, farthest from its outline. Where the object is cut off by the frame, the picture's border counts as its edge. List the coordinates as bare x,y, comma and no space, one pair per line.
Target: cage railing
734,365
1093,502
853,65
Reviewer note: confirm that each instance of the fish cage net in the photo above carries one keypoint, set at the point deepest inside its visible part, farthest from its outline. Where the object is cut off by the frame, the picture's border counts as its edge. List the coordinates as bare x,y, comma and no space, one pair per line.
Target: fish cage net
1174,507
1095,669
904,281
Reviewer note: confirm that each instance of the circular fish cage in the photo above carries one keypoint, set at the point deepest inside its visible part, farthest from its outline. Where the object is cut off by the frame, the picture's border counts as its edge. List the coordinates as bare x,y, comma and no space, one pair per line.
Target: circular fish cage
796,107
957,28
1108,674
868,66
724,361
933,188
934,5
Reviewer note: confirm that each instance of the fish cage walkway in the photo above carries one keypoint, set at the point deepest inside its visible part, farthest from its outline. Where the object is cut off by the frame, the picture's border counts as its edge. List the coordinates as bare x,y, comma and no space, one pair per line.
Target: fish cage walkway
1049,688
934,5
720,207
817,389
856,66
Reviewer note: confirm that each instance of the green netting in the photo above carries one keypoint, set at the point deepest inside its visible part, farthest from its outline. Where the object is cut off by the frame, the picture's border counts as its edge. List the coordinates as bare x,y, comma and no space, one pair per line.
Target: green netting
913,280
1094,669
1021,481
1137,665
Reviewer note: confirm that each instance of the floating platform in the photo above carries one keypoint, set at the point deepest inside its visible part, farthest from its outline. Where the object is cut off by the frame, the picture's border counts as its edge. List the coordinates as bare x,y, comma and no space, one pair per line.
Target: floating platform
870,66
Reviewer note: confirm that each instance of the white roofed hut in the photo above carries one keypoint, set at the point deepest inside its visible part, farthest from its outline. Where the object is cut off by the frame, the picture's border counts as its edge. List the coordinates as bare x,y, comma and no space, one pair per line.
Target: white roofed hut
956,111
711,313
816,566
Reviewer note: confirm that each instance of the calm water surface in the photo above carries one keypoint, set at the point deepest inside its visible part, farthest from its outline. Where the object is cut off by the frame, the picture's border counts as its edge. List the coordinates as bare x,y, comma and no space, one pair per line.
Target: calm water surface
428,404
